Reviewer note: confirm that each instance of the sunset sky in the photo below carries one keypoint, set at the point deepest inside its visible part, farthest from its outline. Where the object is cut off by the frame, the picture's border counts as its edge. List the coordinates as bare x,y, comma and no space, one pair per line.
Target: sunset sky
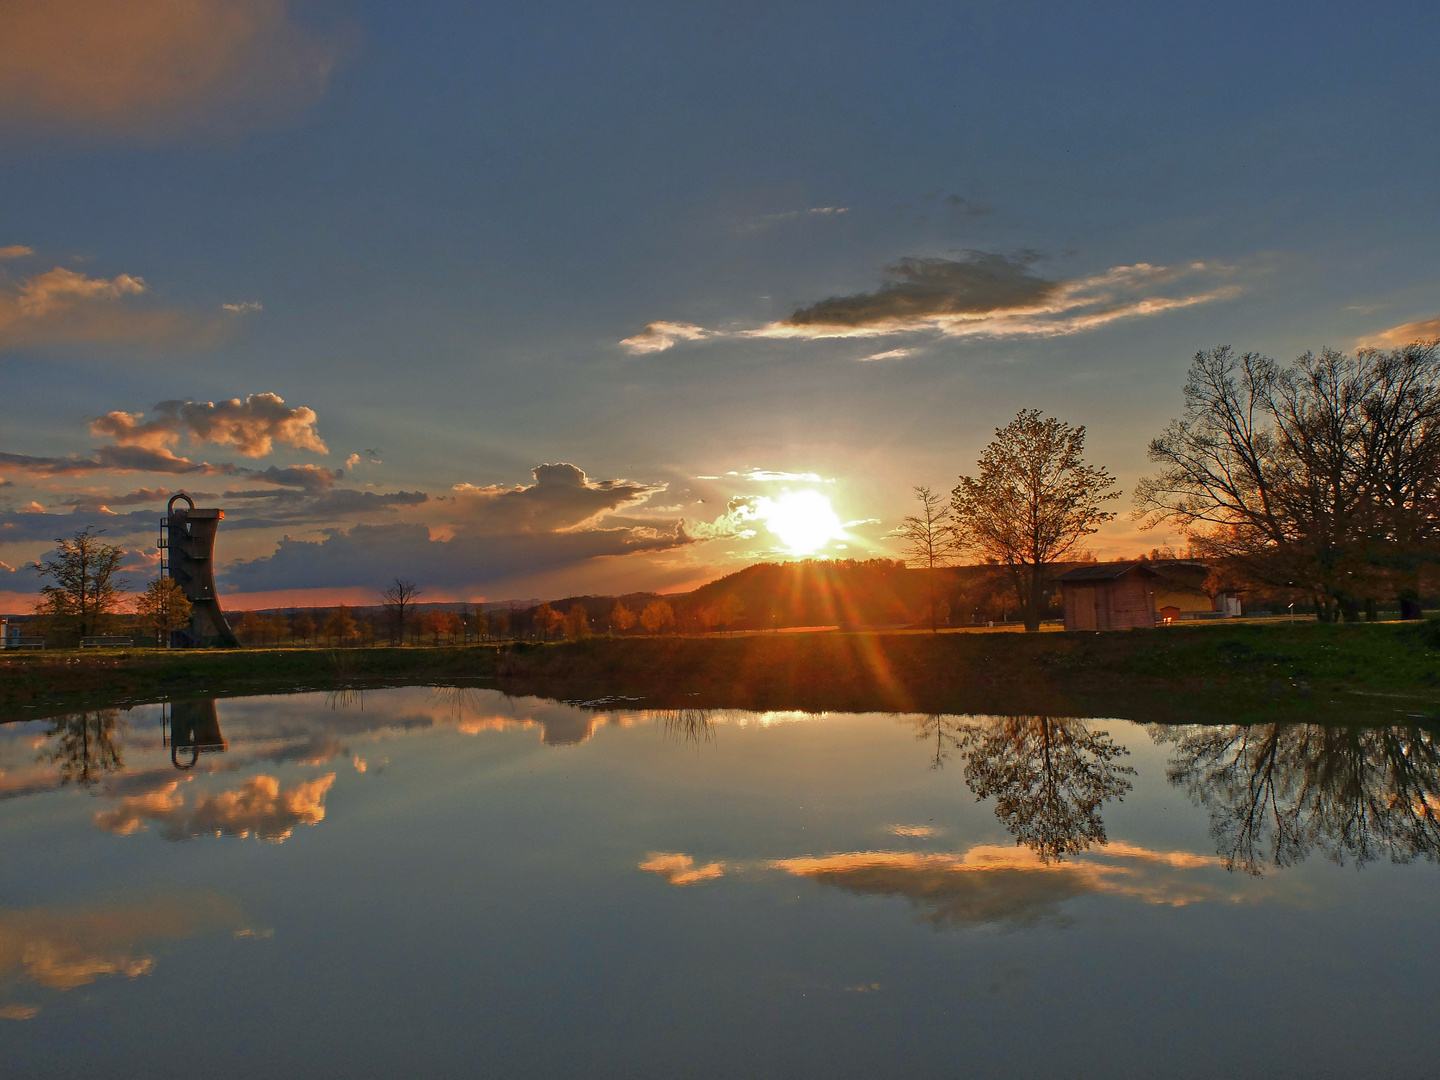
525,300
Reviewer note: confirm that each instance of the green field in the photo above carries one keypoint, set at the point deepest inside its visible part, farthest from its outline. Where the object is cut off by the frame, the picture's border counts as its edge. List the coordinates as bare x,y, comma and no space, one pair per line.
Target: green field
1212,671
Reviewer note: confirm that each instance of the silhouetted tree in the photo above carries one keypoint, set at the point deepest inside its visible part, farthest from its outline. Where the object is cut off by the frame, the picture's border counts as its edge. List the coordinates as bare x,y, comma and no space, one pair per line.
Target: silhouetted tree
163,608
929,539
340,625
1049,778
1275,792
1033,503
85,588
1323,476
304,627
398,600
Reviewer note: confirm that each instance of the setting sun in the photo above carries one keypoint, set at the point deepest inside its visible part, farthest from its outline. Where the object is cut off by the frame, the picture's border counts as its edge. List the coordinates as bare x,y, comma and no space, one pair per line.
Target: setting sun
803,520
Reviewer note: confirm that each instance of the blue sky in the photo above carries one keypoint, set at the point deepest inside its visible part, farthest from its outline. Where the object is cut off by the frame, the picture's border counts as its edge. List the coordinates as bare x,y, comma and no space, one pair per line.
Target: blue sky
435,225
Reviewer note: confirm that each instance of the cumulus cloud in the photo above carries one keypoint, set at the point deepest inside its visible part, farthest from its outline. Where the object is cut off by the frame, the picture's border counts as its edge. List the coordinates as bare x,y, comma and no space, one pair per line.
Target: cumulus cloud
659,336
63,305
986,295
149,69
1398,336
15,251
259,807
252,426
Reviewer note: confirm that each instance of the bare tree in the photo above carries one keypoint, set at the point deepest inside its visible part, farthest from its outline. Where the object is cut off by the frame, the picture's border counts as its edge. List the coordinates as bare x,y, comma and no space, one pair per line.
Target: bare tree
929,539
1323,476
1033,503
398,600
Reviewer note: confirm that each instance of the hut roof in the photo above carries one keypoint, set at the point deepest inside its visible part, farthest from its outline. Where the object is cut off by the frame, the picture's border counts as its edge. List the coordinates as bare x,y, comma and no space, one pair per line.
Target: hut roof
1104,571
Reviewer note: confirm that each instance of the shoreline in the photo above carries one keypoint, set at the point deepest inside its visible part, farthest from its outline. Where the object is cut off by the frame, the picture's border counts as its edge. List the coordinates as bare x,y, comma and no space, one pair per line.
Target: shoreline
1175,674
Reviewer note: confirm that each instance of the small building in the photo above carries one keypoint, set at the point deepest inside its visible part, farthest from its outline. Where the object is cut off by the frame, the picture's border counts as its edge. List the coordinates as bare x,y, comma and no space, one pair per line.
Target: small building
1109,596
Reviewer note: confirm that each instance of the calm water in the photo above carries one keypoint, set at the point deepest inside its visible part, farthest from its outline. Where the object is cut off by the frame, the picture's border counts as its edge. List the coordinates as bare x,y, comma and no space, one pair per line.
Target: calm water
451,883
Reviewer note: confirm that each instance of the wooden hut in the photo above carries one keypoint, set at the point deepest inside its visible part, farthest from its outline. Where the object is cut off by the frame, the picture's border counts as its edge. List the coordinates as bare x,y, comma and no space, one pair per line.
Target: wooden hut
1109,596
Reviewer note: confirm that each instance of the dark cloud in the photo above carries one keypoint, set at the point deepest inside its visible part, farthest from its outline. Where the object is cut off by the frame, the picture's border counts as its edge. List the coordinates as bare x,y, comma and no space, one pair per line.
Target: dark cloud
562,497
371,554
305,477
122,459
15,528
294,507
965,208
928,288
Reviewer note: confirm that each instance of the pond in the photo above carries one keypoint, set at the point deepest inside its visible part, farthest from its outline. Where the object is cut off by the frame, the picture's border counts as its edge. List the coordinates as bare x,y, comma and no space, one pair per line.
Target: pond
449,881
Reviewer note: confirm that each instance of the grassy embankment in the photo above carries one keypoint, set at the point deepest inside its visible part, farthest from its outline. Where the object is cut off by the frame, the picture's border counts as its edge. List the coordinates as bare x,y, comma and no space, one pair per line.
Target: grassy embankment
1213,671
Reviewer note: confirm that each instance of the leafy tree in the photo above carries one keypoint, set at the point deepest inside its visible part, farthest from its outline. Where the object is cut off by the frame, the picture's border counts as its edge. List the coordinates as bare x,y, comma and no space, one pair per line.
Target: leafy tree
657,617
163,608
85,589
1323,476
398,600
929,539
340,624
1033,503
622,618
499,624
547,620
577,622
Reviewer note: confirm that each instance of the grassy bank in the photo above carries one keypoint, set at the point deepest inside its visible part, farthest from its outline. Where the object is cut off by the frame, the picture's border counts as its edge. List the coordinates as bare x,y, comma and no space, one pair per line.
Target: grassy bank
1209,671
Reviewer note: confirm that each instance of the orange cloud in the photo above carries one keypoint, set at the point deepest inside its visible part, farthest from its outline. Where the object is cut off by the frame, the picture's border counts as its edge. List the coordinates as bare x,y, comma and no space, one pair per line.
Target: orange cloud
153,68
15,251
63,948
680,869
252,426
64,305
1398,336
259,807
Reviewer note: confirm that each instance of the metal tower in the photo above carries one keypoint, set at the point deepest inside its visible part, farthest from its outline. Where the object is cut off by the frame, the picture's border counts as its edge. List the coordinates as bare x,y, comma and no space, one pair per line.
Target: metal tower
187,549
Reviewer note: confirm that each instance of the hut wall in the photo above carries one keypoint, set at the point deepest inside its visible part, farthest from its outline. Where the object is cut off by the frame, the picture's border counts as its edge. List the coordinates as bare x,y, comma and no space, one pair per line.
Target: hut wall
1080,606
1129,602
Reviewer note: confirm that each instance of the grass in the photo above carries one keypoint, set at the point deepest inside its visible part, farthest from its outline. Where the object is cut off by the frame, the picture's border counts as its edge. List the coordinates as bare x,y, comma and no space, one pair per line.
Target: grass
1207,671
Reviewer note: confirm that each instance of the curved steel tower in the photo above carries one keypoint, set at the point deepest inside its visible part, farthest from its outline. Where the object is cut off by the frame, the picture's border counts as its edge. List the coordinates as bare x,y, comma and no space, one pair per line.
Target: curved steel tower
187,549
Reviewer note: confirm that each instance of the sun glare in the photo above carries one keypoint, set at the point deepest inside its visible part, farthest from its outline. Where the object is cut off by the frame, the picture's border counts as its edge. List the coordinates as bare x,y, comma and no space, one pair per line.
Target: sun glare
803,520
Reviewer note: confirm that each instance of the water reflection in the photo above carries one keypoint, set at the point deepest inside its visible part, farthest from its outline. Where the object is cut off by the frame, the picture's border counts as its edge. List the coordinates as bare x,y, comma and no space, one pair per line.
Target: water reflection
191,728
85,746
687,725
1276,792
1049,777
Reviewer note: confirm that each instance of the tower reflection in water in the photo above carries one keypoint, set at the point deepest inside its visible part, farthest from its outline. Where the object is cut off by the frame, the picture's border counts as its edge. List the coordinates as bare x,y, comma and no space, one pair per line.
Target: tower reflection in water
189,729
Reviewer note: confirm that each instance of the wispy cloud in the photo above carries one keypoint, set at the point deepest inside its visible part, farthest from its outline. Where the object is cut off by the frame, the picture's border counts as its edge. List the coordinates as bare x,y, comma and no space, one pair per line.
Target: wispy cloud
767,221
15,251
1396,336
149,69
659,336
984,295
890,354
244,306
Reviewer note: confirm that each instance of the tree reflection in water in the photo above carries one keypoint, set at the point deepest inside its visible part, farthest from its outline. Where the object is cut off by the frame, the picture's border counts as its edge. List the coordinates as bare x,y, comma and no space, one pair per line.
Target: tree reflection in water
85,745
687,725
1048,777
1275,792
